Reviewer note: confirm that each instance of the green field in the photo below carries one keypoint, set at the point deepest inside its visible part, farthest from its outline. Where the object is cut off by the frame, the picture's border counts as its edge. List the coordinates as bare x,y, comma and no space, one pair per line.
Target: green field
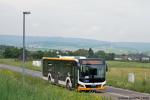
117,74
119,64
12,88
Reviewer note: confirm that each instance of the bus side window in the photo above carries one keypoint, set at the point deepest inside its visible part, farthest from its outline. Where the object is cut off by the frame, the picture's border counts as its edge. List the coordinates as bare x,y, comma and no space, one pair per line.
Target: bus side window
49,64
50,67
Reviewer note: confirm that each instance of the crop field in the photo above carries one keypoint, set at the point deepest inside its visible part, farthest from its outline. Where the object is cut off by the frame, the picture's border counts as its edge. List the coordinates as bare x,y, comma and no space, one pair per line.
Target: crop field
117,75
13,88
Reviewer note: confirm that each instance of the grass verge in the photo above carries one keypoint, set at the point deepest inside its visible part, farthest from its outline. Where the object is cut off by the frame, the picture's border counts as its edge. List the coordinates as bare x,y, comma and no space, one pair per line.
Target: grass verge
12,88
18,63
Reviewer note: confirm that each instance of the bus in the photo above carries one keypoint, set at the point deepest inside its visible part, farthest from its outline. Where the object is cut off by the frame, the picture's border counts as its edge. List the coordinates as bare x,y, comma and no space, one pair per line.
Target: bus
81,73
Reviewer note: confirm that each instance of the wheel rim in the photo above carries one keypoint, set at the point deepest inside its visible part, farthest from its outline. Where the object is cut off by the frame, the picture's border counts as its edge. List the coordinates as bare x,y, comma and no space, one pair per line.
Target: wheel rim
68,86
49,79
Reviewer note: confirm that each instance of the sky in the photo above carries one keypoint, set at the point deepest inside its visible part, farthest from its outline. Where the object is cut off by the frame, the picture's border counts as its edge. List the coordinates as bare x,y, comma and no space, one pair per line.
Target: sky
106,20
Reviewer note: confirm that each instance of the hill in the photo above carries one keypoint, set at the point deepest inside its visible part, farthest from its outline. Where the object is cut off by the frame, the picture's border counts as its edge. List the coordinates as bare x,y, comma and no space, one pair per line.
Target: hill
44,43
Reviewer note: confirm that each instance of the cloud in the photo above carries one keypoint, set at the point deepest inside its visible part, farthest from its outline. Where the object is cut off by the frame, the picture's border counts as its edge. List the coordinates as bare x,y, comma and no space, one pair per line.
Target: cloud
110,20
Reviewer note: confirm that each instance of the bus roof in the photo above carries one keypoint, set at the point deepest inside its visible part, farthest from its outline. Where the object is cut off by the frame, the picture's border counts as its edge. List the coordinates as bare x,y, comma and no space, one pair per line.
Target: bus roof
68,59
75,57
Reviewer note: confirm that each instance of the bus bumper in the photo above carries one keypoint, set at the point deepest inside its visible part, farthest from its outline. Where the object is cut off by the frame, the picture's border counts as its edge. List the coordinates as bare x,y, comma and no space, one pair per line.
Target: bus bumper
91,89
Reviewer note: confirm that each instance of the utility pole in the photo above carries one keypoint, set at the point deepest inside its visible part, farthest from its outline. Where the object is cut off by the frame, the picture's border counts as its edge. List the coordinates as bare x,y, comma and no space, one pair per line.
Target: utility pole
23,57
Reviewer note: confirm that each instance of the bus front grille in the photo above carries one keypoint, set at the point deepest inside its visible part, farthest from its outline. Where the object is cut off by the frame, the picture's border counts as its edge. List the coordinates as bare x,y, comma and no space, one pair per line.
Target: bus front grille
92,86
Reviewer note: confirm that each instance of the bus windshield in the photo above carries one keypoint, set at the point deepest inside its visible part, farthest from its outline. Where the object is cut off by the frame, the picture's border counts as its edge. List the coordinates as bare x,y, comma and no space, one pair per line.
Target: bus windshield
92,73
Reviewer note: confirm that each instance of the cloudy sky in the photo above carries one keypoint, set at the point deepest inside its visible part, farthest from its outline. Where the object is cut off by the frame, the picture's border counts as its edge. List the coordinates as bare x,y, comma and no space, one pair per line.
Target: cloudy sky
107,20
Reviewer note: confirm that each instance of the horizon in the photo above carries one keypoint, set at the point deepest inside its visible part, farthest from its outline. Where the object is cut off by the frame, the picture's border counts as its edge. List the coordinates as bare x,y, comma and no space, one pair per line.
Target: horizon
73,38
65,43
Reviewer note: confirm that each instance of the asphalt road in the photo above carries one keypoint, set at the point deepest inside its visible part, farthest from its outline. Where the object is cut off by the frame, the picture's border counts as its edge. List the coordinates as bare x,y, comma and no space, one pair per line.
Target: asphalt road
114,93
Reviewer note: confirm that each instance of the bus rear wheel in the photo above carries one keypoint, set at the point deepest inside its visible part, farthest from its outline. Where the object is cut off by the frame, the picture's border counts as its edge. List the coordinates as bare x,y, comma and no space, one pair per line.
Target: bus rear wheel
49,79
68,87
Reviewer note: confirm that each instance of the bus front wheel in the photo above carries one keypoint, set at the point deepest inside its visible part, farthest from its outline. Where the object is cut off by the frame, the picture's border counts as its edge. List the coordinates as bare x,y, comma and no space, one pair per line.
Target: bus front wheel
68,85
49,79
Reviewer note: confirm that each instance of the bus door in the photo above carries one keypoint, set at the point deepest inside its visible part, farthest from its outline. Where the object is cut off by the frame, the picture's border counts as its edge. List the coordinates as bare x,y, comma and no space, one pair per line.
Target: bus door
50,70
57,72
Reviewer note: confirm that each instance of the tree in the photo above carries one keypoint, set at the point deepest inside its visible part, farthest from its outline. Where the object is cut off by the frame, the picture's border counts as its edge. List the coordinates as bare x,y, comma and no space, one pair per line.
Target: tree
37,54
107,56
100,54
91,53
12,52
111,56
81,52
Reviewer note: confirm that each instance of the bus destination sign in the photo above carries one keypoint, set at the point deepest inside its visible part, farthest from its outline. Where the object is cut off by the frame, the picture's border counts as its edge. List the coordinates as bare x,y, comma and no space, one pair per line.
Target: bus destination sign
91,62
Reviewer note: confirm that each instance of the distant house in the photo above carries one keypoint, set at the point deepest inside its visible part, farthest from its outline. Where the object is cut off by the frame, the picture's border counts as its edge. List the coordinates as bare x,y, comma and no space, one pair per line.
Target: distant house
121,57
133,57
117,58
145,59
130,59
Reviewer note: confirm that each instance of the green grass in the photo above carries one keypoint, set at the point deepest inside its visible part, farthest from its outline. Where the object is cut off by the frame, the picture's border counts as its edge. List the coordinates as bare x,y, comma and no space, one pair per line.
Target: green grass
18,63
12,88
117,75
120,64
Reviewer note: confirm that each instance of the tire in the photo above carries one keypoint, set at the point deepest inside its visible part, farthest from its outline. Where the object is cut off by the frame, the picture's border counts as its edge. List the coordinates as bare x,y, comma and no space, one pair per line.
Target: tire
68,87
49,80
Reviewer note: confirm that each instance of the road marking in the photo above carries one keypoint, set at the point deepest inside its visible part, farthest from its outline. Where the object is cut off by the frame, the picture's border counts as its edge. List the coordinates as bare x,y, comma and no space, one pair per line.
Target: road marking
118,95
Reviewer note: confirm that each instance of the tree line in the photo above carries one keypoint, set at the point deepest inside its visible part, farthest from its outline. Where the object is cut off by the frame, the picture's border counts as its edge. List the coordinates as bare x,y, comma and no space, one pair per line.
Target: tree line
15,52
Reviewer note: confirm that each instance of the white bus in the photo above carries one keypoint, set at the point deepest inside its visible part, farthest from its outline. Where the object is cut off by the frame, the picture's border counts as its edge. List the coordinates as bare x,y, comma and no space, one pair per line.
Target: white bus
83,74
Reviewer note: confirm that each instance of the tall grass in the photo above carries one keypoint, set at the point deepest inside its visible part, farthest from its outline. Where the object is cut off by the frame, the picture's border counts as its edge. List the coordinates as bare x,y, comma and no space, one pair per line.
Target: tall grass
119,77
12,88
118,71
